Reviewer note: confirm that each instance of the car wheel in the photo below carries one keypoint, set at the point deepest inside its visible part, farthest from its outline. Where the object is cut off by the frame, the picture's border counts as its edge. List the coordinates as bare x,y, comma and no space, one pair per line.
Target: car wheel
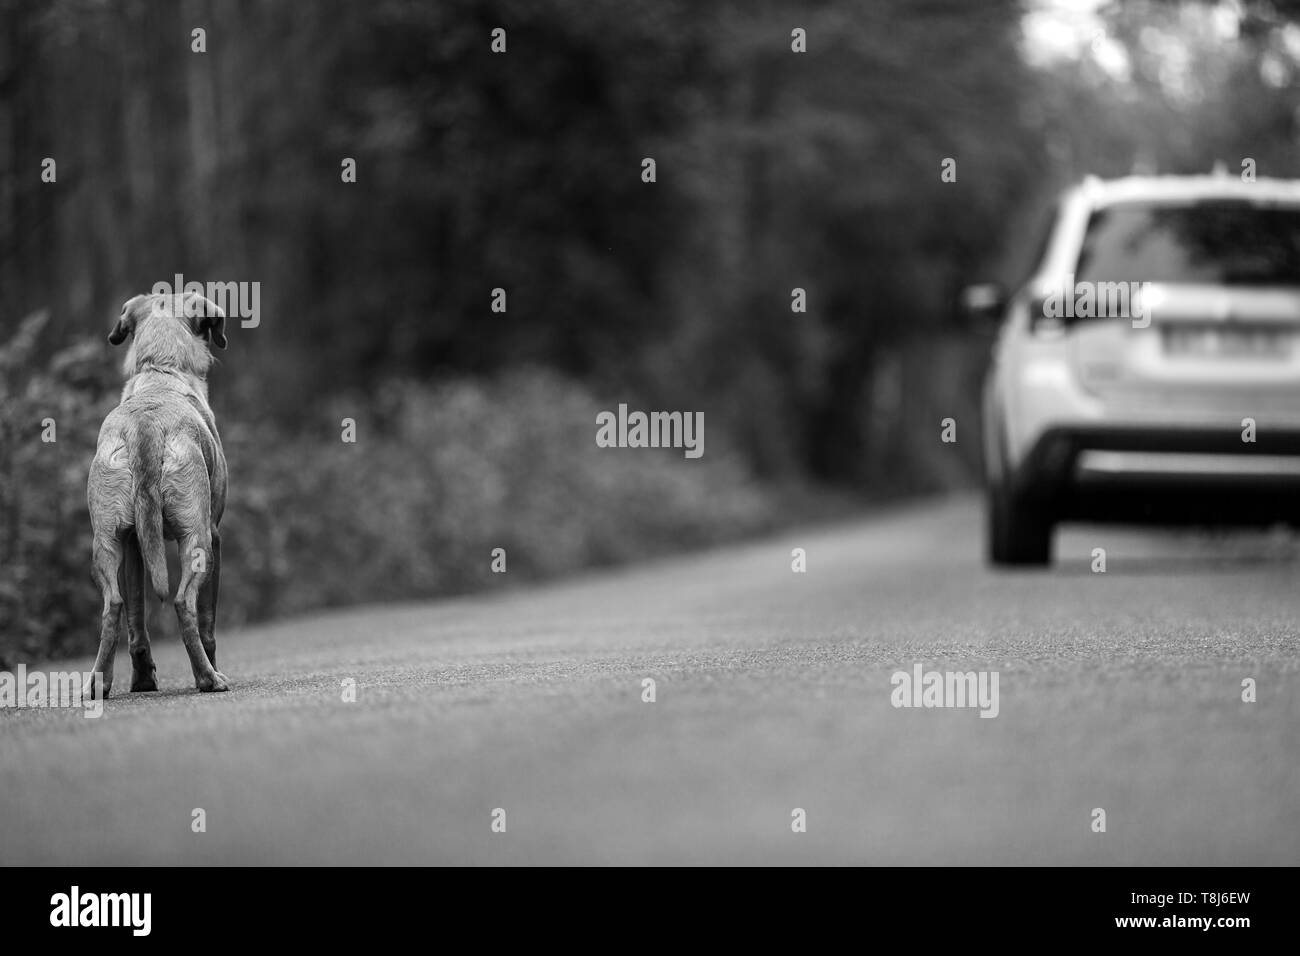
1019,530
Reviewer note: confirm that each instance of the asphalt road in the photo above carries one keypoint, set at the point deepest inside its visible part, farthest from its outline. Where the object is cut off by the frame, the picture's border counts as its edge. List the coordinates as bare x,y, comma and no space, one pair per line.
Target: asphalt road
1119,690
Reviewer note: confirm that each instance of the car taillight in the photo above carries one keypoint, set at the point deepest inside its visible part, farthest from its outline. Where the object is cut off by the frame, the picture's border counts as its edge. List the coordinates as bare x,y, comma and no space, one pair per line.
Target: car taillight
1040,323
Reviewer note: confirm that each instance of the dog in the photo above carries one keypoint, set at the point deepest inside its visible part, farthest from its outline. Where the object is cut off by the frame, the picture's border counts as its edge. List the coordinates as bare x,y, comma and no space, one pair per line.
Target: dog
159,472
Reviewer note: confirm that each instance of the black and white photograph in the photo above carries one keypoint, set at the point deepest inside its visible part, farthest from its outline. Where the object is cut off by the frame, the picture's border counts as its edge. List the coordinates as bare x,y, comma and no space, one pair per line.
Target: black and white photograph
651,433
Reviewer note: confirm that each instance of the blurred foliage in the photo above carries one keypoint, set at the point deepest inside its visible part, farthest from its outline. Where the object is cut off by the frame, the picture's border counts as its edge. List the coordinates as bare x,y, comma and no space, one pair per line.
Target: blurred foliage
477,170
438,477
51,417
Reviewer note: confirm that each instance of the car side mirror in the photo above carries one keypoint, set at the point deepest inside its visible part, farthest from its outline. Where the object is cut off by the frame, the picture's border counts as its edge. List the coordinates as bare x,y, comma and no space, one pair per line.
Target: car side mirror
981,306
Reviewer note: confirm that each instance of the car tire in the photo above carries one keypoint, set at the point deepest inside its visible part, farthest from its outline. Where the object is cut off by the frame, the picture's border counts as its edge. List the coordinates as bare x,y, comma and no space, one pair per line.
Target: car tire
1019,530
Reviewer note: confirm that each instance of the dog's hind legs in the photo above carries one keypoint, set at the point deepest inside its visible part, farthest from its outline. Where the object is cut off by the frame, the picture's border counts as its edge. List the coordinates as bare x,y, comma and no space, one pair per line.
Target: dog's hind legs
206,677
208,602
106,560
143,673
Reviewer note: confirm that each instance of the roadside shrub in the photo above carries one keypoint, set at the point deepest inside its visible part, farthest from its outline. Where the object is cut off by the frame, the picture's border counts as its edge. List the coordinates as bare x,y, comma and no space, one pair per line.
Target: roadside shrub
439,476
48,604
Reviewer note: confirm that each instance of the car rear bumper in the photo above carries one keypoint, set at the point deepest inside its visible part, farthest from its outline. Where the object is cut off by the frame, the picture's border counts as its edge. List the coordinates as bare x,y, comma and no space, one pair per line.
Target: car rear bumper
1099,467
1165,475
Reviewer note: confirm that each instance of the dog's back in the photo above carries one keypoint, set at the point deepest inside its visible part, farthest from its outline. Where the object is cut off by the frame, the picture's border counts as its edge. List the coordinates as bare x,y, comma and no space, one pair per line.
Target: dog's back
159,470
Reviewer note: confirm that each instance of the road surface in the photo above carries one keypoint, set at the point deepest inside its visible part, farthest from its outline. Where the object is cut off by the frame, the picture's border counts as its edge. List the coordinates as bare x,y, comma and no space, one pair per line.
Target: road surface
1120,691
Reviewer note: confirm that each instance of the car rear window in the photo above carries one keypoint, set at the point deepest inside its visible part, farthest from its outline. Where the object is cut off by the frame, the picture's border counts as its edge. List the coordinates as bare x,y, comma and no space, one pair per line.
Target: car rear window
1214,242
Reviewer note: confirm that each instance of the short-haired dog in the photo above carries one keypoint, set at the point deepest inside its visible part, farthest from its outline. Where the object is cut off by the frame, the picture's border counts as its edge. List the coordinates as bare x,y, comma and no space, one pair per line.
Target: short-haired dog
159,472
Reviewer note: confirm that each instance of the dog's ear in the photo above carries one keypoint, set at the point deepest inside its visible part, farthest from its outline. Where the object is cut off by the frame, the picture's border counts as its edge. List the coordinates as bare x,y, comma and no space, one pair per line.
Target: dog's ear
125,322
207,319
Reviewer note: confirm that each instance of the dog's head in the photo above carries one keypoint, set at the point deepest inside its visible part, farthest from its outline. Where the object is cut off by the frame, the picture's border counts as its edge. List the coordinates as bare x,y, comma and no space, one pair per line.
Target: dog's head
170,331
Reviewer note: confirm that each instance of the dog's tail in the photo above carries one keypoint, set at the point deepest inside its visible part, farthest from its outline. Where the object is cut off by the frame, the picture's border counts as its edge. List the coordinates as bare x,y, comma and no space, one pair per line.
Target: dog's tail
146,474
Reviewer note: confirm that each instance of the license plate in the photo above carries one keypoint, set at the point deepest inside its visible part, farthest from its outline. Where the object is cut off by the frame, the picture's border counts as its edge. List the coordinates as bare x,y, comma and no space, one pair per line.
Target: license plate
1227,343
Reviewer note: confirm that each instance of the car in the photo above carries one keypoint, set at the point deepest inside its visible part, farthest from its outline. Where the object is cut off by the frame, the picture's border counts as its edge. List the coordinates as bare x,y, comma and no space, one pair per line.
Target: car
1148,369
